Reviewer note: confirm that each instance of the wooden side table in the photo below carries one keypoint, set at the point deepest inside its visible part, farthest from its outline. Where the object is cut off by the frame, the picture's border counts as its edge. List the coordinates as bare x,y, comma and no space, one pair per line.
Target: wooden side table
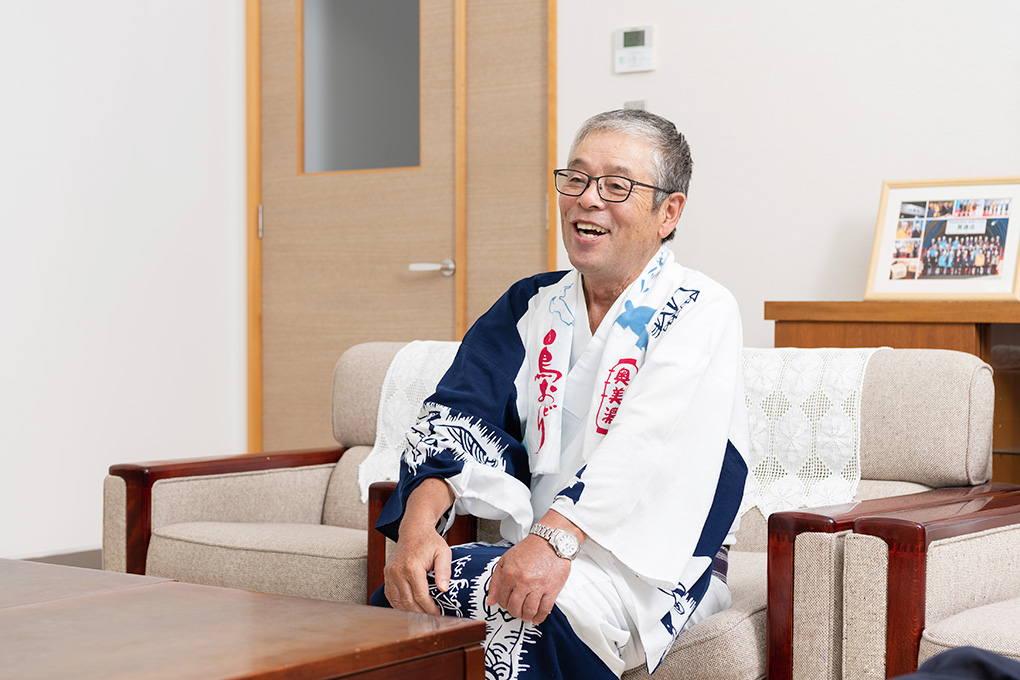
989,330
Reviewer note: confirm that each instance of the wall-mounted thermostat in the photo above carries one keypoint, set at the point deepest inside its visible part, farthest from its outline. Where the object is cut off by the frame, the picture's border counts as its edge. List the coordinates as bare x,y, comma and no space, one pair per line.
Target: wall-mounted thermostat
634,49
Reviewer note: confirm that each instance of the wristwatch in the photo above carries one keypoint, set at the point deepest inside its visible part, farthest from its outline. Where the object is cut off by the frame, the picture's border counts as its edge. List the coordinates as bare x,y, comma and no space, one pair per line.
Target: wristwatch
562,541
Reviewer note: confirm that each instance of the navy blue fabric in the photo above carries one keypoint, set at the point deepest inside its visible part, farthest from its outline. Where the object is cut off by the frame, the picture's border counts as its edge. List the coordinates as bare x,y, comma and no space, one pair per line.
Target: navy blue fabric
576,488
479,387
554,653
967,663
726,503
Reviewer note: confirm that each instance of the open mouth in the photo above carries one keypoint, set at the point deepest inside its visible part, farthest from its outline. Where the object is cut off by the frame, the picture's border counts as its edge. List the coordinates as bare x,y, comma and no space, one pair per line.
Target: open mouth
589,230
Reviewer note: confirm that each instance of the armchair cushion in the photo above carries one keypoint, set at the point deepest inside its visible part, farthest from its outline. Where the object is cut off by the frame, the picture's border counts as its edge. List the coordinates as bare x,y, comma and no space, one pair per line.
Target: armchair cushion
342,506
305,560
730,644
911,425
991,627
201,487
293,495
357,381
972,570
260,530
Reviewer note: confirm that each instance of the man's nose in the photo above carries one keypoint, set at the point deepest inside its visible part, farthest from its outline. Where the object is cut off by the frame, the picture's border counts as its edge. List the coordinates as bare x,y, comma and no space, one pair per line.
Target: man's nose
591,197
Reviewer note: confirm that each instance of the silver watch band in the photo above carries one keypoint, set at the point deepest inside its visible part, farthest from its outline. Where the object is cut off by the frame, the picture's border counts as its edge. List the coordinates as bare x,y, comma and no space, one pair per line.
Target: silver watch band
563,542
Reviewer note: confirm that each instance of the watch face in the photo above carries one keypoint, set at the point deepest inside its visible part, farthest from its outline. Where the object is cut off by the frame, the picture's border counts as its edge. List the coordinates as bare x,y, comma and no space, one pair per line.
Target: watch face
566,544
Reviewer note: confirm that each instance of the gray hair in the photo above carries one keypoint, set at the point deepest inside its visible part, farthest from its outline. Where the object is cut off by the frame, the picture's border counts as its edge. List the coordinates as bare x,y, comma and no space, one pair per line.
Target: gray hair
671,161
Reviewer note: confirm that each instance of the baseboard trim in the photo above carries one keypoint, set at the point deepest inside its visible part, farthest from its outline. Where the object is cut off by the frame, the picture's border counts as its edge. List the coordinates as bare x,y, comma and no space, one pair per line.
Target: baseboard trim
89,559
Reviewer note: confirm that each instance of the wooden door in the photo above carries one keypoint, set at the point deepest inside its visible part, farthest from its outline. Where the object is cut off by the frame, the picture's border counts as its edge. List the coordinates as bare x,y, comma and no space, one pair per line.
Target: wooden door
332,268
336,245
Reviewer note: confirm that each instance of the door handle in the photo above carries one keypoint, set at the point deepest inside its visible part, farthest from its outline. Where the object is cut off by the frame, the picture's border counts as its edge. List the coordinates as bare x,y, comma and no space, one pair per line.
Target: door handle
446,267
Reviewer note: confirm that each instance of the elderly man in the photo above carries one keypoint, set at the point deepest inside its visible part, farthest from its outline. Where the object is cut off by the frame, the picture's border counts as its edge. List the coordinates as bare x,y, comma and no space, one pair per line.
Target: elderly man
598,413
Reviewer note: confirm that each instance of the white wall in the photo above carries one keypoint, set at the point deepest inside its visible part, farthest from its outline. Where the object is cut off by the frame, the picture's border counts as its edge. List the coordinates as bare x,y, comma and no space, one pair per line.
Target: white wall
122,194
796,111
122,328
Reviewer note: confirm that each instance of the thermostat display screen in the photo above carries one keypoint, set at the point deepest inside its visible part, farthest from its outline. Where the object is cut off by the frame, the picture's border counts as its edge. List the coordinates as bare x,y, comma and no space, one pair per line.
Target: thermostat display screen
634,39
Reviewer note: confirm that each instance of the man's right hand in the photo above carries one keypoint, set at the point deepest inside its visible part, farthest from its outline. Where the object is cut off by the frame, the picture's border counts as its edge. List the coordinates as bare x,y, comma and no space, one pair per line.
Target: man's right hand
420,550
417,553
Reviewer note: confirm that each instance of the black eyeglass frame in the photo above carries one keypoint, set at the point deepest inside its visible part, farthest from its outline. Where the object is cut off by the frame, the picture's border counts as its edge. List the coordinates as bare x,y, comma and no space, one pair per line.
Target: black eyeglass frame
598,188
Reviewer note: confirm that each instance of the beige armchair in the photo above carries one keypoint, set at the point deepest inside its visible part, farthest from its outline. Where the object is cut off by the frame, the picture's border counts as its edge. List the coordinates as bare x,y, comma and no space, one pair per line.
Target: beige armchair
289,523
293,523
926,424
922,581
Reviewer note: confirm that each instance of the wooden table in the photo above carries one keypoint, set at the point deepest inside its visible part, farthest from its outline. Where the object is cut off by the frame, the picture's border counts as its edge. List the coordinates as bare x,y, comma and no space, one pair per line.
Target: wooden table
987,329
65,622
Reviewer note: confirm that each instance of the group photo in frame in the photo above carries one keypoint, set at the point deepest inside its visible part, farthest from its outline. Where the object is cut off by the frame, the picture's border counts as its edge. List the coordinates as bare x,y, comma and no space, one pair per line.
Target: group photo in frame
946,240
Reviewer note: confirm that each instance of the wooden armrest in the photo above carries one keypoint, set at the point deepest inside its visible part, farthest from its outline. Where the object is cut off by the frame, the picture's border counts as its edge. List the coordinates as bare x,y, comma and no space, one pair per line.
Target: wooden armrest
463,530
378,494
139,478
909,533
784,527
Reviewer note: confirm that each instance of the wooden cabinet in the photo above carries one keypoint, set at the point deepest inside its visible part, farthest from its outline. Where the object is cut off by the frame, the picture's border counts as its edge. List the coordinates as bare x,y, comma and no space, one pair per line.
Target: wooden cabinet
990,330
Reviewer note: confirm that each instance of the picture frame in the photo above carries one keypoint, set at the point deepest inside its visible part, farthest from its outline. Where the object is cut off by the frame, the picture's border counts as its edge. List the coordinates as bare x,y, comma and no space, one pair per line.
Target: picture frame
947,239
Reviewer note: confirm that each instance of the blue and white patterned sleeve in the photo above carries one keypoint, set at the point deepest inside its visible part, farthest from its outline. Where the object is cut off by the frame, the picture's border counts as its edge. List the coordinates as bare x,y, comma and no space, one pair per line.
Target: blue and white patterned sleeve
469,432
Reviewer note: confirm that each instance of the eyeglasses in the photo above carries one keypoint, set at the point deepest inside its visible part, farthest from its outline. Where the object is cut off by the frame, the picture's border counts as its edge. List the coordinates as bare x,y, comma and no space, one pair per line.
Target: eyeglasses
611,188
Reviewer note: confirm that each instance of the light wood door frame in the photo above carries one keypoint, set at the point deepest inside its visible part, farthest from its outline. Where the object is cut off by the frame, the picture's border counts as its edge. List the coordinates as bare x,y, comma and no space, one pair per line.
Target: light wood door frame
552,93
253,117
253,74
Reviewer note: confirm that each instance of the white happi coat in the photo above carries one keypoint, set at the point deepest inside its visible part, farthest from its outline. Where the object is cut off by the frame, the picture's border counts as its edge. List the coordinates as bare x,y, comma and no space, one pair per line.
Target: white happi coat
634,434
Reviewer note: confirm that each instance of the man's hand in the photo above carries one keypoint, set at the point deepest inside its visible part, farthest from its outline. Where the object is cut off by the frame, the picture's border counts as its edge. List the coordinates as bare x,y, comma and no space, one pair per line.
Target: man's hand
529,576
417,553
527,579
420,550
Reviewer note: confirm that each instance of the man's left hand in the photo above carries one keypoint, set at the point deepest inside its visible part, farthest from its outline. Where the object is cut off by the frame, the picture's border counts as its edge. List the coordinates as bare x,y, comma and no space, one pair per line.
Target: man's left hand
527,579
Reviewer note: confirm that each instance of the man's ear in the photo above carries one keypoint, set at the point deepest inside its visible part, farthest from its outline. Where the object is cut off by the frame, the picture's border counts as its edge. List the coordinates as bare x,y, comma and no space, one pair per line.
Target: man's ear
669,213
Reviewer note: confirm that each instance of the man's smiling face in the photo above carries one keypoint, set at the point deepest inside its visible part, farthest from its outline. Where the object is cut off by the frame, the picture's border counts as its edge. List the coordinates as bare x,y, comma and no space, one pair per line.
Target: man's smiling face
610,243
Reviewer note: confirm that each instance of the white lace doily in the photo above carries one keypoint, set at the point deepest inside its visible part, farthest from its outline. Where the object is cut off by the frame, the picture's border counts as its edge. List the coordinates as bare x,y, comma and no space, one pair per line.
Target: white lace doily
804,413
803,408
411,377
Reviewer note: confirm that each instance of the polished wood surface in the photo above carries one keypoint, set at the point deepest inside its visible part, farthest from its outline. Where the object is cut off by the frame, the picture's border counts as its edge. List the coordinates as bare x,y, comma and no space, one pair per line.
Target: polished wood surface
960,337
1002,349
33,582
896,312
989,330
180,631
139,478
784,527
378,494
909,535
